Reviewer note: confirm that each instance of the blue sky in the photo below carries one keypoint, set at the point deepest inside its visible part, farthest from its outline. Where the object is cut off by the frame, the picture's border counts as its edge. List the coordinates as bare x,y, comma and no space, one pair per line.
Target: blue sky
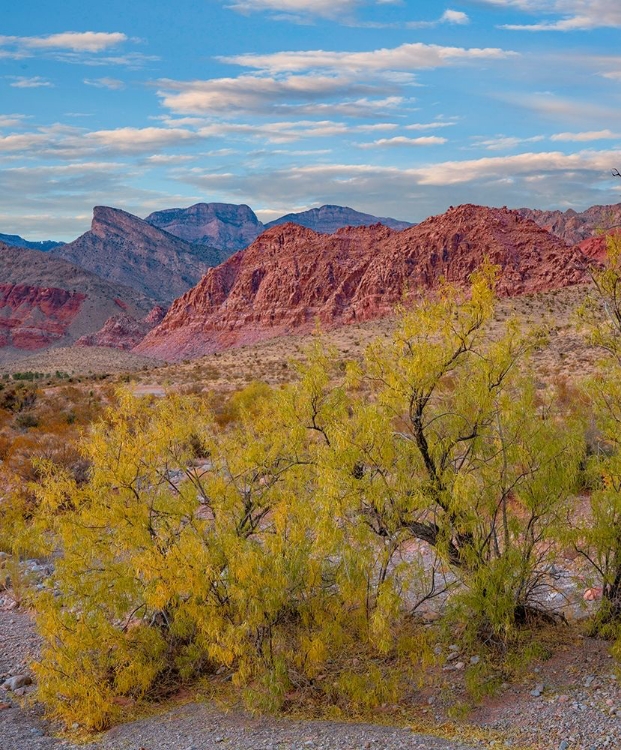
393,107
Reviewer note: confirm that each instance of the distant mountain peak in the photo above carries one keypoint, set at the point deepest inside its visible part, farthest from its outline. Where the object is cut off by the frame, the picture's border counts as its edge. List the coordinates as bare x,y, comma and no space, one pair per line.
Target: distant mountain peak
14,240
329,218
223,225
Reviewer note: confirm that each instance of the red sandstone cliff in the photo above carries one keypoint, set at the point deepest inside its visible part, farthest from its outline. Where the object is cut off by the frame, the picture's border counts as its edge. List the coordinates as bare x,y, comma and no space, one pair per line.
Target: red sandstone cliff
291,276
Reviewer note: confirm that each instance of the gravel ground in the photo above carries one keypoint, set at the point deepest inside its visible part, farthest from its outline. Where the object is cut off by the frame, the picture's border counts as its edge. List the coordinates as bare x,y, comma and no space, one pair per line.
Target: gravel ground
571,702
193,727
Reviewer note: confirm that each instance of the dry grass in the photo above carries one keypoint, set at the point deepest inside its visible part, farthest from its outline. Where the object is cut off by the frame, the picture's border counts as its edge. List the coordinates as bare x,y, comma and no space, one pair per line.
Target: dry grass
566,357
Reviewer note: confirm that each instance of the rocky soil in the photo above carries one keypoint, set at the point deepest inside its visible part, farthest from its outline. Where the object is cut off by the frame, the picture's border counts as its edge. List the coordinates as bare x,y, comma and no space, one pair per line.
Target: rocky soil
78,361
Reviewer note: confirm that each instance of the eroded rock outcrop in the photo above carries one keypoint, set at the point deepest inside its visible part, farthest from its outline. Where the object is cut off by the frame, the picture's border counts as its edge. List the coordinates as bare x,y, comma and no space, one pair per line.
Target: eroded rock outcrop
290,277
123,331
33,317
46,301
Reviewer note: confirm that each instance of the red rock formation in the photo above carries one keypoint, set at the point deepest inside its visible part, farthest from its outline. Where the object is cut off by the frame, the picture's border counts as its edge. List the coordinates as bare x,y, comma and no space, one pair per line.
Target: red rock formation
35,317
596,248
45,301
291,276
123,331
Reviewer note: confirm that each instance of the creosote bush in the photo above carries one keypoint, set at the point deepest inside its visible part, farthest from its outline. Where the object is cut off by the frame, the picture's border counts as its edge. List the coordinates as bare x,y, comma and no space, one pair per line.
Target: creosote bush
297,532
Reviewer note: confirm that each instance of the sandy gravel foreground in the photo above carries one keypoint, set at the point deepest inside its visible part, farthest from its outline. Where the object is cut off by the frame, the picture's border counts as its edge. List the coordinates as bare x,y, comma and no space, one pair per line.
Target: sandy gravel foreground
196,726
570,702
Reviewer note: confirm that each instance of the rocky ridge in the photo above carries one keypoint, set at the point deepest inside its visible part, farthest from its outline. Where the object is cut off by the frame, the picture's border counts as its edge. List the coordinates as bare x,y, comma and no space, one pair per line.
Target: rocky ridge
291,276
124,249
16,241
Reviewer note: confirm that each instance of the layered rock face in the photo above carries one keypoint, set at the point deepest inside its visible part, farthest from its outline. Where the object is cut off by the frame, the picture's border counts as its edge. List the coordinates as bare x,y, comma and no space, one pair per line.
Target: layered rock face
16,241
45,301
34,317
574,227
292,276
222,225
329,219
124,249
123,331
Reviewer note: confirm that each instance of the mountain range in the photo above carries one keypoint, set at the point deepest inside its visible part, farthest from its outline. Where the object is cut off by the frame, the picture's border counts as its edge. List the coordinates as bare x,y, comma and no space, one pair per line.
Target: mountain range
123,249
112,286
14,240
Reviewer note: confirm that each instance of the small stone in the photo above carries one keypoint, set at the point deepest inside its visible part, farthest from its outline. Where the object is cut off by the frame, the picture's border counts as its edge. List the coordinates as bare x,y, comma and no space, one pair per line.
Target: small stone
538,690
219,739
475,659
453,655
4,706
563,698
564,745
460,665
16,682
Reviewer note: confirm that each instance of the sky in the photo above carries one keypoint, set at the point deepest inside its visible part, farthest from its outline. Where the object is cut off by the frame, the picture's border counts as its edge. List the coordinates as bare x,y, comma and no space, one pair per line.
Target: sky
394,107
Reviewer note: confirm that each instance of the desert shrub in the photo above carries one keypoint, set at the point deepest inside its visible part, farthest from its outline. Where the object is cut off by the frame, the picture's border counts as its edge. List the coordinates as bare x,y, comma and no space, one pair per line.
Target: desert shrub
598,536
294,546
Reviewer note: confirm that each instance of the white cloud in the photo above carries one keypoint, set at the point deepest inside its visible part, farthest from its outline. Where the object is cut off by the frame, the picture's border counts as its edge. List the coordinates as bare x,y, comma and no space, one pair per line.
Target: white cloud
258,94
23,82
12,121
139,140
449,16
430,125
77,41
503,142
81,47
400,140
297,10
576,15
406,57
105,83
328,8
548,105
455,16
590,135
74,41
66,142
